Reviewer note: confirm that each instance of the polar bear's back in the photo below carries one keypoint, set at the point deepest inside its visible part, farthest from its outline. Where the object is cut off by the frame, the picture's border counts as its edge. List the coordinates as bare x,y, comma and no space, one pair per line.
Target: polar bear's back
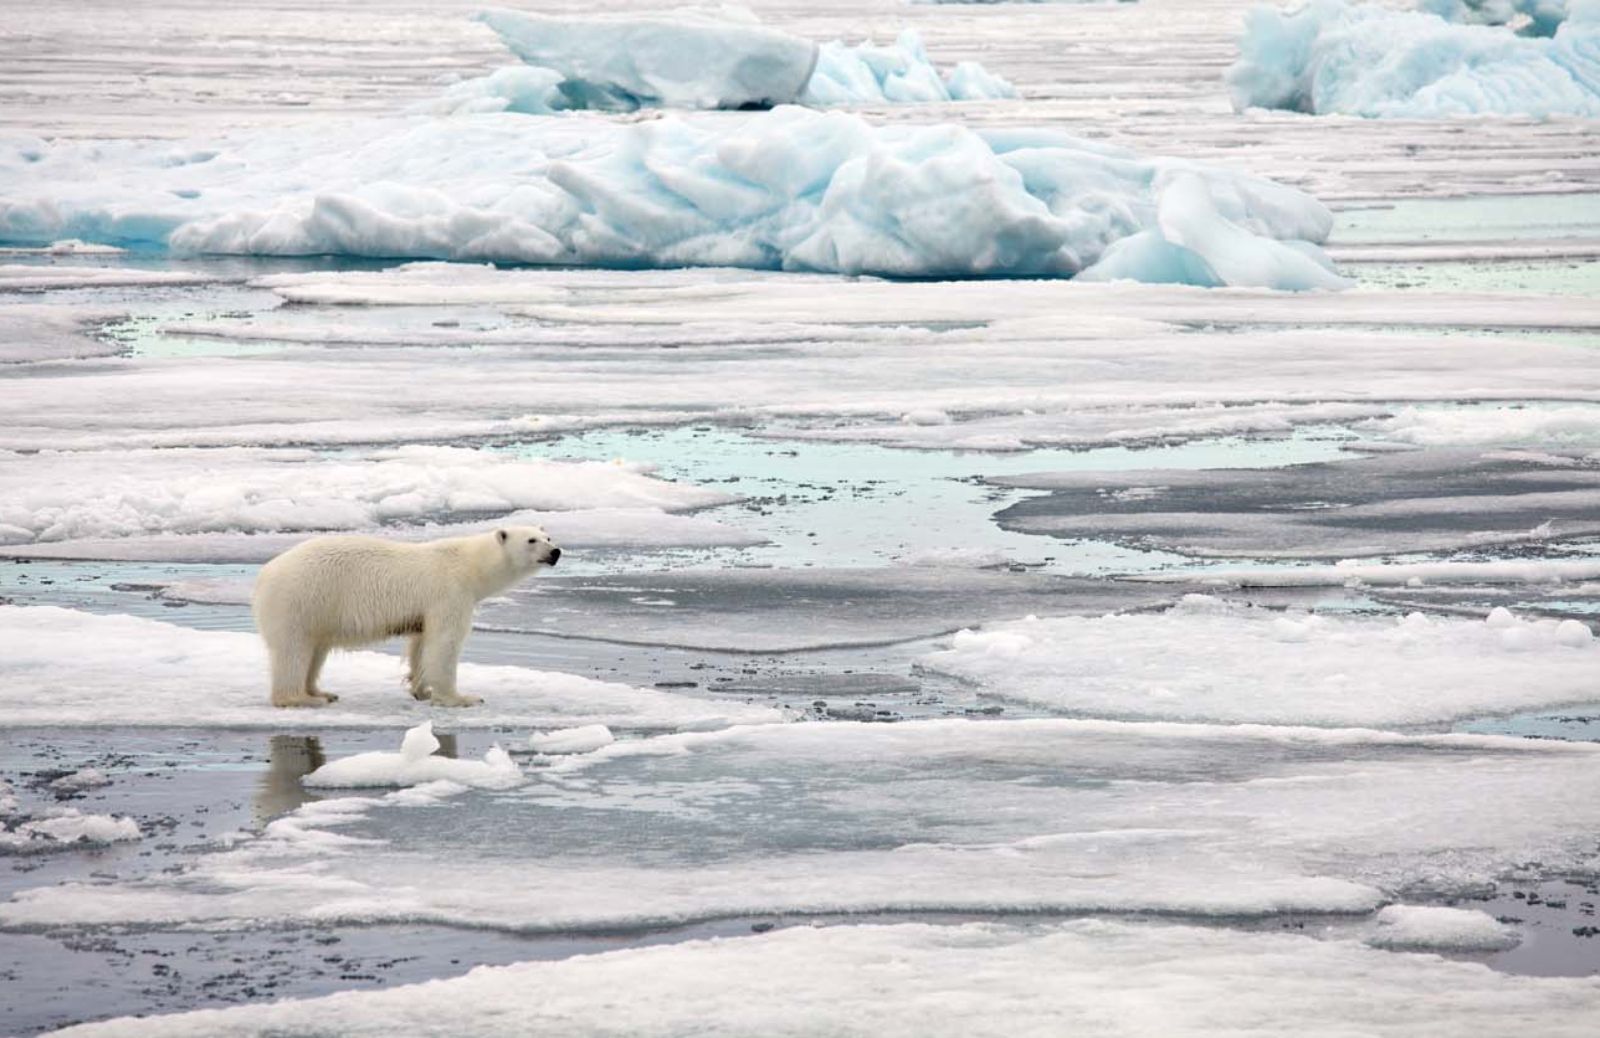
355,589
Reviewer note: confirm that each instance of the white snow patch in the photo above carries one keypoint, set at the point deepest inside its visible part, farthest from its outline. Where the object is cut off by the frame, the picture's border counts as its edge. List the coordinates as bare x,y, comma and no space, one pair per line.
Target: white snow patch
1207,661
415,765
63,667
1431,928
62,828
80,780
584,739
977,980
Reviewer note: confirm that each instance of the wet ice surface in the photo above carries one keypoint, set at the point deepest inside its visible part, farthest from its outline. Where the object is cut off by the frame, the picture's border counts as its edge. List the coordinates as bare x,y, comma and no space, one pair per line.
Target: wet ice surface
828,459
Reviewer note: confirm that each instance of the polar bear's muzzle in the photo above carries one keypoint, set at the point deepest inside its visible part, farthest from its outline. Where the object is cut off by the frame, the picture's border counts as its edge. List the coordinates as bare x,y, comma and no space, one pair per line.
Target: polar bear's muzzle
554,556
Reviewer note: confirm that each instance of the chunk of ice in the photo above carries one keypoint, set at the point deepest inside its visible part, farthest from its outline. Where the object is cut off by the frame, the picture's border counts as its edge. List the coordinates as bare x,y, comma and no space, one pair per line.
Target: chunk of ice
1435,928
584,739
1331,56
415,765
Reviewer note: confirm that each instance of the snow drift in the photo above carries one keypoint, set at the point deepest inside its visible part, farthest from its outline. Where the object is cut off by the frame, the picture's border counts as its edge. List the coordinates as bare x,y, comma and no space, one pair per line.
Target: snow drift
791,189
1330,56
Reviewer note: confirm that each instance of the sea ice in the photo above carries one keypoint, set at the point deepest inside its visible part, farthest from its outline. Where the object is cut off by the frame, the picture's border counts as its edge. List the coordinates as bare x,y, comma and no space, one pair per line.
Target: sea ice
1435,928
900,73
63,667
924,816
977,980
1425,500
585,739
1206,660
61,828
1331,56
93,494
415,765
1537,17
683,59
80,780
790,189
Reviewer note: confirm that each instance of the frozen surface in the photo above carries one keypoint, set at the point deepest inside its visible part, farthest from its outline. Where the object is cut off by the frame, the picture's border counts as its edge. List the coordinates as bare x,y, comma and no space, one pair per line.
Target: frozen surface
70,668
922,816
973,980
585,739
776,610
1430,500
61,497
1432,928
1563,427
64,828
1206,660
1550,572
31,333
681,59
699,59
789,189
1331,56
416,764
1532,17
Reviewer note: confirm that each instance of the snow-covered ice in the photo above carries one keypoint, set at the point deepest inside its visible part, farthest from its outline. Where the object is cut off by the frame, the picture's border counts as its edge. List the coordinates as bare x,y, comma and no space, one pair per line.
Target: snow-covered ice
121,493
416,764
65,828
63,667
1206,660
1333,56
975,980
1435,928
584,739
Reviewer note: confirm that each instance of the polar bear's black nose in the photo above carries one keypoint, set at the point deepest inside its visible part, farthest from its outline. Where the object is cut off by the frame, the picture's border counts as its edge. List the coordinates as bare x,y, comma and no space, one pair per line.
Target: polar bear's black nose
555,556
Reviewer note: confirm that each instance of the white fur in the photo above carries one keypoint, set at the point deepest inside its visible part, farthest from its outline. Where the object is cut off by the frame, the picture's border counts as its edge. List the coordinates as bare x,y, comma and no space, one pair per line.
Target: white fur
340,592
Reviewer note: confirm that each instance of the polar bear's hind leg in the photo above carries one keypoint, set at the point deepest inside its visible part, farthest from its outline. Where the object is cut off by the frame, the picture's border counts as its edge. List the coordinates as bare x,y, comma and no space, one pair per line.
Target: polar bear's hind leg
291,674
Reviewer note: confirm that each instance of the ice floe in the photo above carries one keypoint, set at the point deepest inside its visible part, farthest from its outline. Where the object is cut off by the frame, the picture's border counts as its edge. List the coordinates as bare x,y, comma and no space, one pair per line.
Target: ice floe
1206,660
67,496
1332,56
1553,426
978,980
571,740
416,764
789,189
65,828
1436,928
923,816
63,667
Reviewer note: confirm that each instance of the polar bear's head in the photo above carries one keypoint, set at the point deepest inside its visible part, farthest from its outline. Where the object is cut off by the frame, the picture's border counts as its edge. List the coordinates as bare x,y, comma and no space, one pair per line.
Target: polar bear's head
528,547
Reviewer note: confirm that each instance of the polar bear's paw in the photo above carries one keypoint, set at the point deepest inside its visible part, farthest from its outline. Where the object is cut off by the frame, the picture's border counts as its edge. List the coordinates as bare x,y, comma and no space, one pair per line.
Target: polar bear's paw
326,697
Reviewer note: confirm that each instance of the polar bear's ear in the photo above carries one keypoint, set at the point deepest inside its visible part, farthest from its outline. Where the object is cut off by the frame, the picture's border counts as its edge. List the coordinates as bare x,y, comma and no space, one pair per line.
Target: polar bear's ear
502,535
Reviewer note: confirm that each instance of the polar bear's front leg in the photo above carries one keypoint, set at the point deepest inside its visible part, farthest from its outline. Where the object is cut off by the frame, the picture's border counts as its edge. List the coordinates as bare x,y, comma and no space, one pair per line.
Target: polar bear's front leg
443,635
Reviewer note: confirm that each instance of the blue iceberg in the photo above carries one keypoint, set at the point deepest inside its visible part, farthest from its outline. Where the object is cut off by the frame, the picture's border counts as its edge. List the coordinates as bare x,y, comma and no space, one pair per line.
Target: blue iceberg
789,189
693,59
1330,56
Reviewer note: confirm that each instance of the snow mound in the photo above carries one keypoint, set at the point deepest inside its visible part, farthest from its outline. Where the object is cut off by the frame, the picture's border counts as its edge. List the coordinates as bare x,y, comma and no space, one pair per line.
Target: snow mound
415,765
1417,928
63,667
1206,660
144,492
65,827
586,739
791,189
1548,426
977,980
1330,56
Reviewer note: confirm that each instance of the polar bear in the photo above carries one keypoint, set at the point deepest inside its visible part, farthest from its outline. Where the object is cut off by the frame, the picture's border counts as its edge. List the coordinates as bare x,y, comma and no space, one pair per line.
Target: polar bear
343,591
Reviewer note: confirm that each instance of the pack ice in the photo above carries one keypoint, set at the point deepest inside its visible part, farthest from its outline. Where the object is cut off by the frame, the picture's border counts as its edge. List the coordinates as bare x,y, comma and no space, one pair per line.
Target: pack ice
790,189
1331,56
700,59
